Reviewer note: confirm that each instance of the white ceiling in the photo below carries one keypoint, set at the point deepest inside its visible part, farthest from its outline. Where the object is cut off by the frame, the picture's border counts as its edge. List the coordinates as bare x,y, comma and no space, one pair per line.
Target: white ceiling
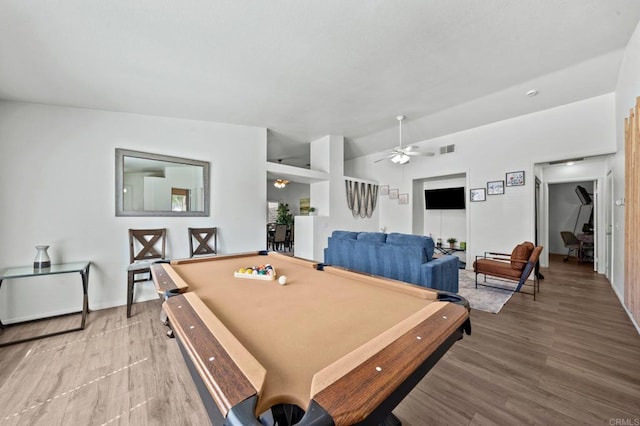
305,69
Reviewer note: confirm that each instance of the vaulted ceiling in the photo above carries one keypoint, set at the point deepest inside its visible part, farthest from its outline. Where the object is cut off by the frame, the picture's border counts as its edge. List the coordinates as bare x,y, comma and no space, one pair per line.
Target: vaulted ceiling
306,69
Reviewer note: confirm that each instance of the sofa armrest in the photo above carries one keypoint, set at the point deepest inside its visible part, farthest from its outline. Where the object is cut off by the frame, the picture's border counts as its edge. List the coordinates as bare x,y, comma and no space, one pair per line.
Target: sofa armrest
441,273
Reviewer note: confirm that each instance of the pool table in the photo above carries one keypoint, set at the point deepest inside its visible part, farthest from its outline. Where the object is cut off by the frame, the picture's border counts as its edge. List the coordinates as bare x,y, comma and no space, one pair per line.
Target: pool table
329,347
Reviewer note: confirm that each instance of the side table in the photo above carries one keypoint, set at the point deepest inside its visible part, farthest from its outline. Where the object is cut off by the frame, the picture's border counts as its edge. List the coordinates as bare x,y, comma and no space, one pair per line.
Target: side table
64,268
449,250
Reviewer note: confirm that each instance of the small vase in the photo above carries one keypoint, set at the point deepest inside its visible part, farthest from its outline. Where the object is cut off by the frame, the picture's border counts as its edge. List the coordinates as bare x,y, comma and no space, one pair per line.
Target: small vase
42,259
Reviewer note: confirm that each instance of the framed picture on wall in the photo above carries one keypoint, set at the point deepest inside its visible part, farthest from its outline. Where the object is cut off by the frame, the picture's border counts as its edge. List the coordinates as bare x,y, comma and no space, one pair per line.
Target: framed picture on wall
384,190
403,199
393,194
478,194
495,188
515,178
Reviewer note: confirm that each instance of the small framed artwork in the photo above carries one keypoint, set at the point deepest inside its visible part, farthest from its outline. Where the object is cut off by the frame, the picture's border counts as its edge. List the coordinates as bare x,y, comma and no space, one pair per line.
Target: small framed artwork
495,187
478,194
384,190
515,178
393,194
403,199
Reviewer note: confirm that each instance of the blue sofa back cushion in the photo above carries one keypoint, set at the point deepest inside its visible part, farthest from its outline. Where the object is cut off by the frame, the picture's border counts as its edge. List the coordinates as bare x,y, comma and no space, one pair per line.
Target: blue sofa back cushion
349,235
374,237
402,262
426,243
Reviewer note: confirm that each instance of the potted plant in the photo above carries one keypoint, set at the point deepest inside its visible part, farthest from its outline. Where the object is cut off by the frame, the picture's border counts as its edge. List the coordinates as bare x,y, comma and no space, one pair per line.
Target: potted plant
284,216
452,242
312,211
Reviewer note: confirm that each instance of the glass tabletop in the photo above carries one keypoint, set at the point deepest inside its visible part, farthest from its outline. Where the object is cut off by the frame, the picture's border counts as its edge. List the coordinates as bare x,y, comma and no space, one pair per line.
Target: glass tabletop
30,271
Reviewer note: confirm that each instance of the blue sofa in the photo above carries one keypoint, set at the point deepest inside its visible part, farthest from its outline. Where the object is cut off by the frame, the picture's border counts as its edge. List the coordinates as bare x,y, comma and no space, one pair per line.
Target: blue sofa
401,257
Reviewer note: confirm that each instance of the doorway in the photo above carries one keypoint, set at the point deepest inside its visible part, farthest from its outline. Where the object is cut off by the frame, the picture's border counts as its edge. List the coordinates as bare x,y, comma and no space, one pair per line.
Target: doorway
571,226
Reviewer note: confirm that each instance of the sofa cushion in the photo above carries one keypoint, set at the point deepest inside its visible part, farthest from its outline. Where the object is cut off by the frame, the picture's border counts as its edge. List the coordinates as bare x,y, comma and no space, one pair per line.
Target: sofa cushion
341,252
401,262
374,237
345,234
521,254
426,243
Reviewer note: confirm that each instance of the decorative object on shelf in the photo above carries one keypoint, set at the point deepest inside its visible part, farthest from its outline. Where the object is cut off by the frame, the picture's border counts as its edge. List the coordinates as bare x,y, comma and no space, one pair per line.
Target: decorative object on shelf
463,245
384,189
393,194
42,260
403,199
361,198
400,154
495,187
312,211
280,183
515,178
452,242
478,194
305,203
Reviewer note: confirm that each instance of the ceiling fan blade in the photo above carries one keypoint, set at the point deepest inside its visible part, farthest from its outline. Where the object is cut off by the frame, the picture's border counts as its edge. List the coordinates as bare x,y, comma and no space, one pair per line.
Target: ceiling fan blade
389,155
425,154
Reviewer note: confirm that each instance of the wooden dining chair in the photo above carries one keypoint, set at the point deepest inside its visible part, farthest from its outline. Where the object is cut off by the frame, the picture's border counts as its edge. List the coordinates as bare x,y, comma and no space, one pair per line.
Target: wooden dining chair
207,240
271,232
279,237
146,246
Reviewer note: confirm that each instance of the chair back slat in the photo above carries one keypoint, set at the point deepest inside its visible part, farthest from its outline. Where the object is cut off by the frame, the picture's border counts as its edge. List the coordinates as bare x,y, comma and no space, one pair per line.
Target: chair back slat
281,234
203,237
147,244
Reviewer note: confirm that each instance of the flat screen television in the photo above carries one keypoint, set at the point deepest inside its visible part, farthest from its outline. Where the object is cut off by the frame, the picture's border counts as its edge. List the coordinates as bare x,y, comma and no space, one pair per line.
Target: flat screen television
444,199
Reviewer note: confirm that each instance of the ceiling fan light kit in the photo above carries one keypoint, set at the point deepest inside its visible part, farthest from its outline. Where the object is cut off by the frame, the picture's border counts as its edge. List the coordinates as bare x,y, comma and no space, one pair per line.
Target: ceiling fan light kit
400,154
280,183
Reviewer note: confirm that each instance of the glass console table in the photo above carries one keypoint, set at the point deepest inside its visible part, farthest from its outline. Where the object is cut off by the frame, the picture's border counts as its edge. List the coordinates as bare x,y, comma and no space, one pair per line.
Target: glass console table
451,250
64,268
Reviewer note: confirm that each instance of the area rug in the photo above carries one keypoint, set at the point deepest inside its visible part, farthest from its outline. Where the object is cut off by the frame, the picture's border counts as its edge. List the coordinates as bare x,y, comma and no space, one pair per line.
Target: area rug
483,298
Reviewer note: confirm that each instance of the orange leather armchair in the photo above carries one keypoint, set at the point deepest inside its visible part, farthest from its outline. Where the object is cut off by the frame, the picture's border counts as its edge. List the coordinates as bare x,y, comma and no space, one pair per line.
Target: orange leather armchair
516,266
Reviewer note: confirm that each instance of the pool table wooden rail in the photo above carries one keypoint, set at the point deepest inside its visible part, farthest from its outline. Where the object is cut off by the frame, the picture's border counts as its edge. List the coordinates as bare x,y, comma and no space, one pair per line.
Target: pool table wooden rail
211,348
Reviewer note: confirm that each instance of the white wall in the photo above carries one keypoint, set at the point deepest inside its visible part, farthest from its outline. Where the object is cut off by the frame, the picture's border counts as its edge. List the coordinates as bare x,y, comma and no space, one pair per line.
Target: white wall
485,154
57,180
627,90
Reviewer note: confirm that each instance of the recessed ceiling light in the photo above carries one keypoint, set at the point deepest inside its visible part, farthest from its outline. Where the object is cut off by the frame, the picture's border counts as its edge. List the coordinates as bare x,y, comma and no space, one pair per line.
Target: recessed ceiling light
570,163
531,93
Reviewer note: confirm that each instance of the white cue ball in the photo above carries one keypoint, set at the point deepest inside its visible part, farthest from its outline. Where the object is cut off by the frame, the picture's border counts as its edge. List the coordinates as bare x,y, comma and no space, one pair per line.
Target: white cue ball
282,280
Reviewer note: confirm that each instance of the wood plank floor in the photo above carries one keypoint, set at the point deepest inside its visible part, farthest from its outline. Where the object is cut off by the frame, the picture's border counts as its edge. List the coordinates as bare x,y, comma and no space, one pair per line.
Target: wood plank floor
571,357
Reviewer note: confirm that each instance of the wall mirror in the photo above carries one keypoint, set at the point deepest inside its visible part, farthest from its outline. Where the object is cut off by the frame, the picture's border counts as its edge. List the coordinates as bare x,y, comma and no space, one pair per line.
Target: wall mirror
160,185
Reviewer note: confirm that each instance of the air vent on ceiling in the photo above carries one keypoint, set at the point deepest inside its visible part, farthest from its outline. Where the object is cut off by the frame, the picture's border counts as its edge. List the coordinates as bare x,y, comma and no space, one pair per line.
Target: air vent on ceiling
447,149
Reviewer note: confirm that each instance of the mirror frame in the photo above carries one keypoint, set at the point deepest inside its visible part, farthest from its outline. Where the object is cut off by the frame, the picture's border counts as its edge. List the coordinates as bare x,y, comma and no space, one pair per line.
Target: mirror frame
121,153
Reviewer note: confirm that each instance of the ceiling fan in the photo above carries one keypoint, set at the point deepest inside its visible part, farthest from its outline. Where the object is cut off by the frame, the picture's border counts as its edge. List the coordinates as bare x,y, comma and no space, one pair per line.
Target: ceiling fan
400,154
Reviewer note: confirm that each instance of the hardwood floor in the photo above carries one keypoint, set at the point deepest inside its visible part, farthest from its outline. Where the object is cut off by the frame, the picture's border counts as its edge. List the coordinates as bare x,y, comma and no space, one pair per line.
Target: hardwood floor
571,357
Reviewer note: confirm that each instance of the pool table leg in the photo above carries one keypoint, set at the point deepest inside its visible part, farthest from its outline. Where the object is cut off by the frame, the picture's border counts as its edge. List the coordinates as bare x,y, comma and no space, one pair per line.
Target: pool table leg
392,420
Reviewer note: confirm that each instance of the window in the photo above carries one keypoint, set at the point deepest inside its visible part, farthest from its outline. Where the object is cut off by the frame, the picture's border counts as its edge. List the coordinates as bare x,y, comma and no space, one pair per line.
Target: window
272,211
179,200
